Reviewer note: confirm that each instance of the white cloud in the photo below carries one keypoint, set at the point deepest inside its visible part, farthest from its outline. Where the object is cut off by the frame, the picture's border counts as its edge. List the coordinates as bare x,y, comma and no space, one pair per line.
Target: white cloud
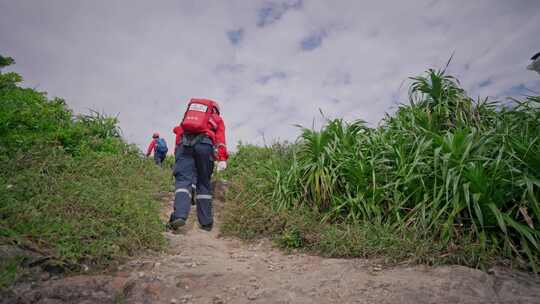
144,60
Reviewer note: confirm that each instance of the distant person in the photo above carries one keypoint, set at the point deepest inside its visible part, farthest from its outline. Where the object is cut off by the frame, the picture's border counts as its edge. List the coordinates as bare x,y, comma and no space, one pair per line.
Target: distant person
200,141
535,64
158,145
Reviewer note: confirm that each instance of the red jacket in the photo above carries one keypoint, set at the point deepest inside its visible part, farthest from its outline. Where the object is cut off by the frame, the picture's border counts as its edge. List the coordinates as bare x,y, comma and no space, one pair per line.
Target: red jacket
178,131
217,137
151,147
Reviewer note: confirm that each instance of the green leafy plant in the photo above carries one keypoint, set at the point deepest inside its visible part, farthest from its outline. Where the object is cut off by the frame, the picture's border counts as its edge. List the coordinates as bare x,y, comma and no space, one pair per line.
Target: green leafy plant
69,184
456,176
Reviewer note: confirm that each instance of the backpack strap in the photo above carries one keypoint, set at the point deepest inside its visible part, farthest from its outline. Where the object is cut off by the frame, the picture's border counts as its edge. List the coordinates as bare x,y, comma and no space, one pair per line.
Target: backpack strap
213,123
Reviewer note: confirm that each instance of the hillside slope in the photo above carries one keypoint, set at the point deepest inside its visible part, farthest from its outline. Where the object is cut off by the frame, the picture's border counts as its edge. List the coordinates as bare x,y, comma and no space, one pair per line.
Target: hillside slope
202,267
73,194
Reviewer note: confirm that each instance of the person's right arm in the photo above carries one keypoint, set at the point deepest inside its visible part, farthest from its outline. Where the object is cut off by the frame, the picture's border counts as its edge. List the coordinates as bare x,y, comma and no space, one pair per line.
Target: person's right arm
150,147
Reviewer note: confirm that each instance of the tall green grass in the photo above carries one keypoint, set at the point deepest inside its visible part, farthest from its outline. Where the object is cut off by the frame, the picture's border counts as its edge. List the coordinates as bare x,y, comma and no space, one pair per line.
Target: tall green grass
453,174
70,187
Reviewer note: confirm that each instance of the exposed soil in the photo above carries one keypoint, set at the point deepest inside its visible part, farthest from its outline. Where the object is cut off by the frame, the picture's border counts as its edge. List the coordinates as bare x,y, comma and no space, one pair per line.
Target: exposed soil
201,267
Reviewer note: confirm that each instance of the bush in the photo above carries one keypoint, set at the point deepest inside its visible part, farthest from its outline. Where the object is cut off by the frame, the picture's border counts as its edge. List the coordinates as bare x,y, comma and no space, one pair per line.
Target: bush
89,209
452,178
70,186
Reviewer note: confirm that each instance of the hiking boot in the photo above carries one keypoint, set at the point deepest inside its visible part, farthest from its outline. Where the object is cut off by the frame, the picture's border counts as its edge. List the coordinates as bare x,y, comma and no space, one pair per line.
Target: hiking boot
177,223
207,227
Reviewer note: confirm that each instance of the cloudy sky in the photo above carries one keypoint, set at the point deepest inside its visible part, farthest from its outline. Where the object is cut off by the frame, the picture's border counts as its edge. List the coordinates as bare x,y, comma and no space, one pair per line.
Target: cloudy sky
270,64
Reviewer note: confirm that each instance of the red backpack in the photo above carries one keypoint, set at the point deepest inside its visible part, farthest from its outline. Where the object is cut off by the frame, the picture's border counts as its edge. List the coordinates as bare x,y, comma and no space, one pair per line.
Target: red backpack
197,118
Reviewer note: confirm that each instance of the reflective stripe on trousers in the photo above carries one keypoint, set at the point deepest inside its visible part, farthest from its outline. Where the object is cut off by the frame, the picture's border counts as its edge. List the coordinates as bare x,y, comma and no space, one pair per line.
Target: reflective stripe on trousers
182,190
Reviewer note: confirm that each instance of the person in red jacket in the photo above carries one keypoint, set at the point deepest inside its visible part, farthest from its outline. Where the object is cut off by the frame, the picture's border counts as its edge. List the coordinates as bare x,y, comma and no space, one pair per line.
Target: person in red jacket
196,152
159,147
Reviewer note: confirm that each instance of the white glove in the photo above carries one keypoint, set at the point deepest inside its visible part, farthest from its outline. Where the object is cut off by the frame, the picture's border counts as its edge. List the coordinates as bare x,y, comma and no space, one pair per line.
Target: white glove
221,165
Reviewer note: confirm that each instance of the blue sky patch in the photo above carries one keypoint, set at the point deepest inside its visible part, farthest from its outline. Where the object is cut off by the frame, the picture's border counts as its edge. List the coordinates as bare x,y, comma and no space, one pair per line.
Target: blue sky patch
485,83
273,11
312,41
235,36
519,90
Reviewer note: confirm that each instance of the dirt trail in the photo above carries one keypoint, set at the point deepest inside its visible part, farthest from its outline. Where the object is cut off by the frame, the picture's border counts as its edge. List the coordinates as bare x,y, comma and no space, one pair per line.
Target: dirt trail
201,267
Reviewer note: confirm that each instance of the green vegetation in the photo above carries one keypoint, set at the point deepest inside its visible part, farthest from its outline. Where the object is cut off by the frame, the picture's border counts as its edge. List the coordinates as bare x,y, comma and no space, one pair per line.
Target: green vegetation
70,187
446,179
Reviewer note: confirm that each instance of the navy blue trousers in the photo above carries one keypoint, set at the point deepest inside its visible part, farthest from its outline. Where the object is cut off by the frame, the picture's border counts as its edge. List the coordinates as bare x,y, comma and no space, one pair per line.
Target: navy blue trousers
198,159
159,157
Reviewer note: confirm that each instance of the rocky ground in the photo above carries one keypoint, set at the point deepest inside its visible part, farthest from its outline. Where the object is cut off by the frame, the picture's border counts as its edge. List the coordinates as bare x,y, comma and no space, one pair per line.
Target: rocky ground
201,267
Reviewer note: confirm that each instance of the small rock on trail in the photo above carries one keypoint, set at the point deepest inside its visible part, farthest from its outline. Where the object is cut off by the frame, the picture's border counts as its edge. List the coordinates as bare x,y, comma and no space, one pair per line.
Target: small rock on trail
201,267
